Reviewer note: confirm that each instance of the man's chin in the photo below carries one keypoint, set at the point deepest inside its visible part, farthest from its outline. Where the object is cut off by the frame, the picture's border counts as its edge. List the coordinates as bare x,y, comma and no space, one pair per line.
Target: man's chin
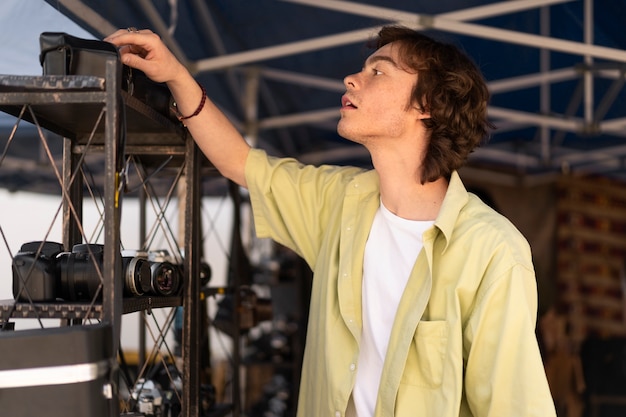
345,133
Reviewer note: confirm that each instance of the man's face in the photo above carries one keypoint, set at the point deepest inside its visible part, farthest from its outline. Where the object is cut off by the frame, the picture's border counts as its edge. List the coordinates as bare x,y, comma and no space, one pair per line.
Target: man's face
376,103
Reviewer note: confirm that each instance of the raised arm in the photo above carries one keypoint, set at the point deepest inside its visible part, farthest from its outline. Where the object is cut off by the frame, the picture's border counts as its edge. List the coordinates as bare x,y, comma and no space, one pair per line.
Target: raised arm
216,136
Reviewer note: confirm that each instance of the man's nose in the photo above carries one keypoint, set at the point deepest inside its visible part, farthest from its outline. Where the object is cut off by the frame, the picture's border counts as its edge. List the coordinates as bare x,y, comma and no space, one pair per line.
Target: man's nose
350,81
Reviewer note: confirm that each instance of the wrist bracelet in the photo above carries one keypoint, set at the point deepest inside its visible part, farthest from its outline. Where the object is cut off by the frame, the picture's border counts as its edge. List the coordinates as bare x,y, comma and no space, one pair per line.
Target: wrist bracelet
180,117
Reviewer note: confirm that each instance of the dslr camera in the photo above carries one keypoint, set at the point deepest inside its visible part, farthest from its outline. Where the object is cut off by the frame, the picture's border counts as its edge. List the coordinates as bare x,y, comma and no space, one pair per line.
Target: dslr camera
43,271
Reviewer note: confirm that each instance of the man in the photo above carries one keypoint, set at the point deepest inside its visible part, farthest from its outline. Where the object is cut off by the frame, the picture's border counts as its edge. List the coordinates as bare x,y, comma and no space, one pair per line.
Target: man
424,299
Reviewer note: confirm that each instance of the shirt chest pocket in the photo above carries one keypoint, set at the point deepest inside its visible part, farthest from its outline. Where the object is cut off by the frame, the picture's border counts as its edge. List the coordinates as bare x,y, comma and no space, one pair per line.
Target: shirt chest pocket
426,358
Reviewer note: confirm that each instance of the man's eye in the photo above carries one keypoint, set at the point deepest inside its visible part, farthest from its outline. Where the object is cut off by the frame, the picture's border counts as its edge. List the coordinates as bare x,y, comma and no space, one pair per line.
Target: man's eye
376,72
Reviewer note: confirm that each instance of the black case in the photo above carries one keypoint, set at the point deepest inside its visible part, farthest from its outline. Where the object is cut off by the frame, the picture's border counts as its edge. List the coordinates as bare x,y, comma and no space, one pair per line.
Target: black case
30,359
64,54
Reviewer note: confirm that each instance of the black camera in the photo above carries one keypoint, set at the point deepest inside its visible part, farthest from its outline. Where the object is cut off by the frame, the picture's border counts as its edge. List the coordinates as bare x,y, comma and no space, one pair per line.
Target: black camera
80,273
35,271
42,271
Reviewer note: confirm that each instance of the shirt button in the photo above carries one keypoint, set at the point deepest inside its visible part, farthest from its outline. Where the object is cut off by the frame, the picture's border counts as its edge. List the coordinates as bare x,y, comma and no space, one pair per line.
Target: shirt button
348,228
352,367
337,413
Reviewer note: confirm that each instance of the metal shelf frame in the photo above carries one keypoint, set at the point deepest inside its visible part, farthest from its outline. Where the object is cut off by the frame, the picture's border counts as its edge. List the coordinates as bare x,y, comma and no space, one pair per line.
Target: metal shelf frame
127,126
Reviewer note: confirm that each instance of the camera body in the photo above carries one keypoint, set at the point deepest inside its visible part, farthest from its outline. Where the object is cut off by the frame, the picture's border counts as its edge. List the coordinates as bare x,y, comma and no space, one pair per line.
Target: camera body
148,397
43,271
34,271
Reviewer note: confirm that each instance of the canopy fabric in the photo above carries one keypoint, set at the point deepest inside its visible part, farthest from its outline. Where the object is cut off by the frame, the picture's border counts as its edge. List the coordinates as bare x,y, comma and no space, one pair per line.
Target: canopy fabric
556,70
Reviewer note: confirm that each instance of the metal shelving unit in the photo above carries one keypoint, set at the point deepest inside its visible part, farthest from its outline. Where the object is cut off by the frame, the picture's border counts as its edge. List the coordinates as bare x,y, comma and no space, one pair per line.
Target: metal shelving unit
96,117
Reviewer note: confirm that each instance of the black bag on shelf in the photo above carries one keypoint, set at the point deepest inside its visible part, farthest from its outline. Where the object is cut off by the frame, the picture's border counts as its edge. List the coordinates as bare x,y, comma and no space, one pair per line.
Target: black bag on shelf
64,54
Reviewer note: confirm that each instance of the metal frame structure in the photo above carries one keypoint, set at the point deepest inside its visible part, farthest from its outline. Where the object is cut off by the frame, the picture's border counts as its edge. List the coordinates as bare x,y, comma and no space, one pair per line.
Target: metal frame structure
104,120
546,153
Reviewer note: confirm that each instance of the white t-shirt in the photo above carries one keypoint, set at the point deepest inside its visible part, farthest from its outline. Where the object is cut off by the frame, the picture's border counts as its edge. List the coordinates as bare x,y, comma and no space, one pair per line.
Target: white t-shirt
390,253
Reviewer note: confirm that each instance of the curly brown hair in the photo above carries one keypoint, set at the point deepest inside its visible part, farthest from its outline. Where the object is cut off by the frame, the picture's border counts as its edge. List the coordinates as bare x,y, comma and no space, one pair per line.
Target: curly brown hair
452,89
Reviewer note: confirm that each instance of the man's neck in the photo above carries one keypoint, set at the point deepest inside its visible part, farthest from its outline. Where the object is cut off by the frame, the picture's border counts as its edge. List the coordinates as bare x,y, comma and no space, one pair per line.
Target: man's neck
404,195
416,201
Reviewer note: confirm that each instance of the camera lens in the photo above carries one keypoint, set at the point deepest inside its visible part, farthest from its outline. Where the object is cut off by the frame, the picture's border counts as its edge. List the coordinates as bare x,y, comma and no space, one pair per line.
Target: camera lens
80,272
137,275
165,278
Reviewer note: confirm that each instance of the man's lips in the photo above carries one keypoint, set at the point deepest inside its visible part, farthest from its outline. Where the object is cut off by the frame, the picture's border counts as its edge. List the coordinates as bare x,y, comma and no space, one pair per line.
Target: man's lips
347,103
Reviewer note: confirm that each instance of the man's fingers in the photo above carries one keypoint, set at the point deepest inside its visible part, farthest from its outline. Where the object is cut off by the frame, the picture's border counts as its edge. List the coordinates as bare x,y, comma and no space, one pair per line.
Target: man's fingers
135,61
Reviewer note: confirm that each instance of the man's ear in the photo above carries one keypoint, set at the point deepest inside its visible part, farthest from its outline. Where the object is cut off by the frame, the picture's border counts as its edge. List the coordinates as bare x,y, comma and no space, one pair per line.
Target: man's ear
421,113
420,108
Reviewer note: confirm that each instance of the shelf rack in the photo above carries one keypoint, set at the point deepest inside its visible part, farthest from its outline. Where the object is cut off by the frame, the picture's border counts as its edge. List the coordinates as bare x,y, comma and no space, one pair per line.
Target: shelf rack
94,115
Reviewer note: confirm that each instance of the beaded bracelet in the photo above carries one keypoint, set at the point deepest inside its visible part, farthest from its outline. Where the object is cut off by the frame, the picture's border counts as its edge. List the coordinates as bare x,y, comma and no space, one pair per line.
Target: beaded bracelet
180,117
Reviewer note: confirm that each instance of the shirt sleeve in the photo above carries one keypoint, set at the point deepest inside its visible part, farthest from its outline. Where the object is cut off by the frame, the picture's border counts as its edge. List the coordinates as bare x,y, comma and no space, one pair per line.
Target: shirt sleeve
293,203
504,370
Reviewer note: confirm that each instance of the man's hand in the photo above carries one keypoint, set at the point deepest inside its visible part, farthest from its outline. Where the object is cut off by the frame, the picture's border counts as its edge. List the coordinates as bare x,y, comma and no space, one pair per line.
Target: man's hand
145,51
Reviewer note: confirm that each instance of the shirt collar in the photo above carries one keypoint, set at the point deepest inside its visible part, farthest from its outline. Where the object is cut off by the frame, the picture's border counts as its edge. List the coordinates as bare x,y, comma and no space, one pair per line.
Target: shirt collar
455,199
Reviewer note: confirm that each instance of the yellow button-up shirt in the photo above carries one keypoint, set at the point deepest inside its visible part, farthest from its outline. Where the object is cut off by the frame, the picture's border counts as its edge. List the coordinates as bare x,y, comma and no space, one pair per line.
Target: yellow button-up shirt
463,342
